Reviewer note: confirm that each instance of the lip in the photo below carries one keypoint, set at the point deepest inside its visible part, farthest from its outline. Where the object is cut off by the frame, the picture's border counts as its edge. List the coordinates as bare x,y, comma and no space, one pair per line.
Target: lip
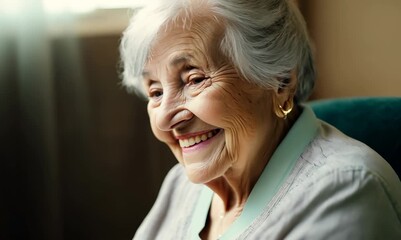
203,144
189,135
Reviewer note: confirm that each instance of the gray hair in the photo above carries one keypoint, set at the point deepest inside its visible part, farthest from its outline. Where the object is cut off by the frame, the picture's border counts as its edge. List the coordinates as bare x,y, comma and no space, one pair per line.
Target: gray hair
265,40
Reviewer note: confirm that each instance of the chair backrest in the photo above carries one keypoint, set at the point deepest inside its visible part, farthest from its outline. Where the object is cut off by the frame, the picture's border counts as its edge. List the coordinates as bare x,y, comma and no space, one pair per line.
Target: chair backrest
375,121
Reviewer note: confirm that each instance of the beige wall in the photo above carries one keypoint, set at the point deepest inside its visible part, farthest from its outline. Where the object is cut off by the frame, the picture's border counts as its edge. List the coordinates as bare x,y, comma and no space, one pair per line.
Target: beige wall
358,46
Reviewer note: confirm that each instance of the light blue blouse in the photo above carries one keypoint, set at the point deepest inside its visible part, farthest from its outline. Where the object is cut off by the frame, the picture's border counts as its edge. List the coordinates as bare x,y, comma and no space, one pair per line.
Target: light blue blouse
318,184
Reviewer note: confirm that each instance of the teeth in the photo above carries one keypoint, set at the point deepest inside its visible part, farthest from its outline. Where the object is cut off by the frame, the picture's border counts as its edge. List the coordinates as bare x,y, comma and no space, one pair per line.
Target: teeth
184,143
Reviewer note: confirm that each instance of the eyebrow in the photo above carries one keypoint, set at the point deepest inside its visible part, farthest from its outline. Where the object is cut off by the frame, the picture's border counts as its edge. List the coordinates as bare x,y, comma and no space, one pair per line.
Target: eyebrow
180,59
176,60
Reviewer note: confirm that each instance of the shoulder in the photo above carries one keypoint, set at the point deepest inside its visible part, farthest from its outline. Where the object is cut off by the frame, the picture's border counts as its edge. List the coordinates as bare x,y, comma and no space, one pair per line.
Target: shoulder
175,188
172,208
175,176
341,189
346,188
337,157
341,203
332,150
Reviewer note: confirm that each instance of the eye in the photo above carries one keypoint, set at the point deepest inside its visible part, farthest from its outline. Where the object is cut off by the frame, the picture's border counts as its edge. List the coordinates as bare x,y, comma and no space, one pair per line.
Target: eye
154,89
155,94
197,80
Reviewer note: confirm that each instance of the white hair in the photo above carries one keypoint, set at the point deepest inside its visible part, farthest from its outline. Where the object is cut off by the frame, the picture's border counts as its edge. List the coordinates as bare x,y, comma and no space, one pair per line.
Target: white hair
265,40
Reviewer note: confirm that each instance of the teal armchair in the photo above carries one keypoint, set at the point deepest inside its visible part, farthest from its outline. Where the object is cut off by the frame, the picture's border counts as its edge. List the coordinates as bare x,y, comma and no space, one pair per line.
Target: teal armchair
375,121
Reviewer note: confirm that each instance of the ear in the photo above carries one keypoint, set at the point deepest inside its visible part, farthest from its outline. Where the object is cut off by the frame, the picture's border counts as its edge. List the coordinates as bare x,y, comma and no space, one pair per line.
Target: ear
283,99
286,91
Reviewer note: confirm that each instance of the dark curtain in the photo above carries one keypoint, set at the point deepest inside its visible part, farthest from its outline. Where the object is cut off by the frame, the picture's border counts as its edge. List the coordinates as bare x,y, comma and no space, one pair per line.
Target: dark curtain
78,159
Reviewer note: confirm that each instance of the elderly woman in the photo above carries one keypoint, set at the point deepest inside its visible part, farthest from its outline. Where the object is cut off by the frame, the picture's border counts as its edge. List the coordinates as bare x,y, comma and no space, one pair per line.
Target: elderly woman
225,80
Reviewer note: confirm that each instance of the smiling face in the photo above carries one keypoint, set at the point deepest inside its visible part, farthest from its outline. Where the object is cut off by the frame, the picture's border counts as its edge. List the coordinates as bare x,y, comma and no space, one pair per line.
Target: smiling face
211,118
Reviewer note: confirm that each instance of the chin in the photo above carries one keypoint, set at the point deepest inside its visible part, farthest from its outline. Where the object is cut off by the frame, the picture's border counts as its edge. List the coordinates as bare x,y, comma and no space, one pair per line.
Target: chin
204,172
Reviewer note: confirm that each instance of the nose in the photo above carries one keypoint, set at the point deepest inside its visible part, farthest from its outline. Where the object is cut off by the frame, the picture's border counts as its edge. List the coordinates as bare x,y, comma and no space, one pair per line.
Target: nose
172,113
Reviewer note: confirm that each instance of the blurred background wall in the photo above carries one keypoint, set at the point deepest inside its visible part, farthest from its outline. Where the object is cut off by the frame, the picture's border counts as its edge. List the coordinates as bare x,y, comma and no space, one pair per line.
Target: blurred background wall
358,50
78,160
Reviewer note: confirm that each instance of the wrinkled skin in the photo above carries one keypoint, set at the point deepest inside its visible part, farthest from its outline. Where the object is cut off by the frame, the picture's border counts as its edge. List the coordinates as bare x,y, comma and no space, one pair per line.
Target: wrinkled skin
194,89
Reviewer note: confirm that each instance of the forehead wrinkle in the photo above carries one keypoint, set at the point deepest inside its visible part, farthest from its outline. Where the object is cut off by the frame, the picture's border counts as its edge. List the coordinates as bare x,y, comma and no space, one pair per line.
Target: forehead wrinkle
208,34
180,58
200,44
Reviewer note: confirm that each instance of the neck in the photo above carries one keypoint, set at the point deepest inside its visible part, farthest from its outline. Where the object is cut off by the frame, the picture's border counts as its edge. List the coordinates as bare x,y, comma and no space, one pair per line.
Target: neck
234,187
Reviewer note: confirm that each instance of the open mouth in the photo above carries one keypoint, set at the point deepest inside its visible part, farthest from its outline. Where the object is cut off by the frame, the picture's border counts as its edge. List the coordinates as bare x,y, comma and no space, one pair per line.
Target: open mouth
189,142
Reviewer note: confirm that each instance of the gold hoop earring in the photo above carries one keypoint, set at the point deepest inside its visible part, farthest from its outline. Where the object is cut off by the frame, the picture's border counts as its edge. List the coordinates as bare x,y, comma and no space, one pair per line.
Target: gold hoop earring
281,111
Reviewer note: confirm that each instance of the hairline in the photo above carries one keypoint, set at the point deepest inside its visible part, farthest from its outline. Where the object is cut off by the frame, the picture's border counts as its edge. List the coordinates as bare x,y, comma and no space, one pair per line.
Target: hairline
183,12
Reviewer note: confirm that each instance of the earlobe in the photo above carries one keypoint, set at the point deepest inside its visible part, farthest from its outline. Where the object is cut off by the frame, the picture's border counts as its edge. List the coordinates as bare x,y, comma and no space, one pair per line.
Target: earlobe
283,101
282,110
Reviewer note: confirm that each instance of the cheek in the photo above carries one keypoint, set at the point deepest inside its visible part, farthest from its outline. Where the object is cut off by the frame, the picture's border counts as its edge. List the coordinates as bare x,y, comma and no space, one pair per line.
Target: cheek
226,108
